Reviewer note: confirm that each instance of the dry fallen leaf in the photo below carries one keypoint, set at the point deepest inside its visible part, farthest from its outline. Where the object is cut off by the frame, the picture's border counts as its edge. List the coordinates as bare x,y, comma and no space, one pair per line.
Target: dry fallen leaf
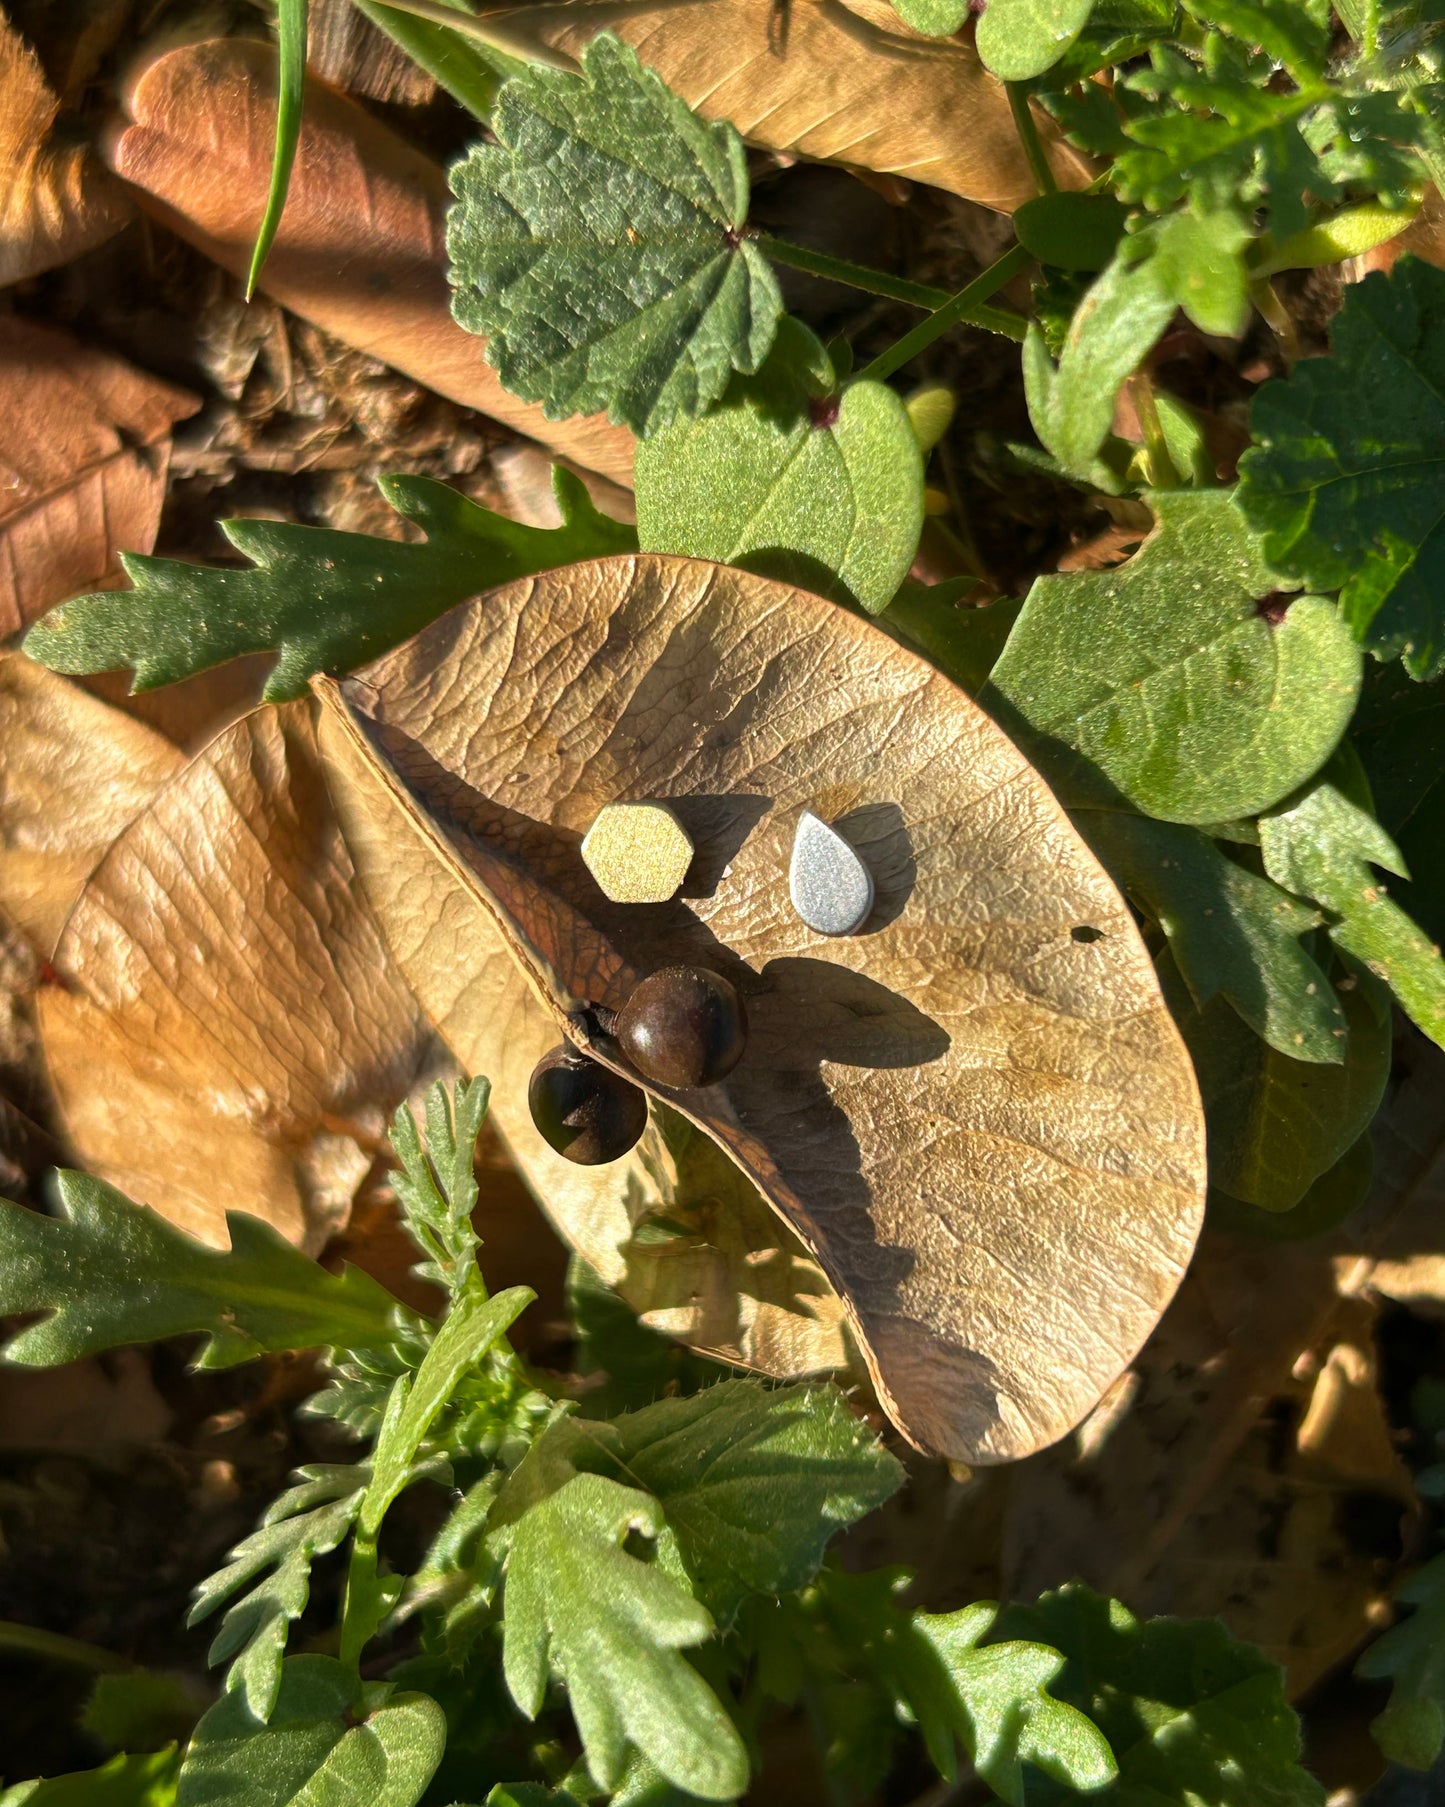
837,83
980,1122
84,442
74,772
56,200
360,251
226,1031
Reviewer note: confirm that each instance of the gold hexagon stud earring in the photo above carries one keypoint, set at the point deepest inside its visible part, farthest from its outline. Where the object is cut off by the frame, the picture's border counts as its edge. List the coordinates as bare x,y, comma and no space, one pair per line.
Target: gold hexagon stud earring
637,852
831,888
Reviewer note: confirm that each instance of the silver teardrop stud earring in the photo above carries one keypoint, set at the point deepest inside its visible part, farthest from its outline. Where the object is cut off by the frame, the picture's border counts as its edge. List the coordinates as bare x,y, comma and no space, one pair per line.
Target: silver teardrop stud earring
831,887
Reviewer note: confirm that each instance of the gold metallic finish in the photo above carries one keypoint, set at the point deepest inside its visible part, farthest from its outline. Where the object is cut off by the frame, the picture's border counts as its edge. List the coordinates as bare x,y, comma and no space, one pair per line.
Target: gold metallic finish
637,852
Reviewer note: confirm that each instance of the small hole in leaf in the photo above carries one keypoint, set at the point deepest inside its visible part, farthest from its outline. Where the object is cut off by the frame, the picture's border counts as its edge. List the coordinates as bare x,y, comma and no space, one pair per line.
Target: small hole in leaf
1084,932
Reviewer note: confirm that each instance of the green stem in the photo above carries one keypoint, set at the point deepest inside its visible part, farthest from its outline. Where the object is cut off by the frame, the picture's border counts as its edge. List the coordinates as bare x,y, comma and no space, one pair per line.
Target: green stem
856,276
1028,132
963,308
52,1646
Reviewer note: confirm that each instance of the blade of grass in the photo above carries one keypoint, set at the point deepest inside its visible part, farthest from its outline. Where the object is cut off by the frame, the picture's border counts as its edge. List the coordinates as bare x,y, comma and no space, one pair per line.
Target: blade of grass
291,32
470,74
507,51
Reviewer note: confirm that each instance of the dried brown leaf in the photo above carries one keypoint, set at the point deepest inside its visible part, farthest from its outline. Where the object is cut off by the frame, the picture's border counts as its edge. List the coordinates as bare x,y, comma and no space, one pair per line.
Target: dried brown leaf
56,200
982,1127
74,772
360,251
227,1032
84,442
837,83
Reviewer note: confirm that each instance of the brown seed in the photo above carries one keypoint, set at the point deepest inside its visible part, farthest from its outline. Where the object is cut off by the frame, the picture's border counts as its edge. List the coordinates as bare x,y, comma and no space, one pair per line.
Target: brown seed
683,1027
587,1113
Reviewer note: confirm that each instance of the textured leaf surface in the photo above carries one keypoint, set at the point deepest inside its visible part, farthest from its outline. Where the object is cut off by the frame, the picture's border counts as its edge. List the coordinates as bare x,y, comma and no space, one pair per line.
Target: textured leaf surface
753,1483
1164,677
1189,1712
1019,39
84,441
1067,1141
1347,482
359,252
614,1626
1232,933
321,599
851,84
142,1781
328,1739
1399,734
198,1065
111,1272
1325,846
1411,1656
792,479
597,245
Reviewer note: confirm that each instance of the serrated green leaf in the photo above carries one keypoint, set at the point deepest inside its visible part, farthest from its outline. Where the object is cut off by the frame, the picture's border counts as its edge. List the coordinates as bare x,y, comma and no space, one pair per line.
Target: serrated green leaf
437,1187
1019,39
1190,1713
1411,1655
110,1272
1324,846
325,601
599,246
792,478
1346,482
1233,934
126,1781
1275,1124
307,1521
330,1739
613,1625
1190,704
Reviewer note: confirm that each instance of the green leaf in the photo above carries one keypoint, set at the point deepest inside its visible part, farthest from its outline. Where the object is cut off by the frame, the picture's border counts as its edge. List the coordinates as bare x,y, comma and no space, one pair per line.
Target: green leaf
1071,231
471,73
754,1482
1018,39
640,1364
1337,1194
1190,703
1190,1713
599,246
1324,846
934,18
437,1187
330,1739
110,1272
961,639
793,478
290,97
1275,1124
1411,1655
613,1625
142,1781
141,1709
994,1702
1399,734
307,1521
1233,934
1349,233
1347,480
326,601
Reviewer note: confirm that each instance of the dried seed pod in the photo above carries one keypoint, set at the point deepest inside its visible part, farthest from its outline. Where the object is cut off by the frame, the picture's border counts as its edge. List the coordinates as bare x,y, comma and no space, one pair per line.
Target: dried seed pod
587,1113
683,1027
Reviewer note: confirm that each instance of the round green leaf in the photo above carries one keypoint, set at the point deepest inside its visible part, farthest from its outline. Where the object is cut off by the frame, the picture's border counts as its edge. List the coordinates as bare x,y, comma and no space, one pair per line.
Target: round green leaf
1018,39
791,479
1180,681
934,18
1071,231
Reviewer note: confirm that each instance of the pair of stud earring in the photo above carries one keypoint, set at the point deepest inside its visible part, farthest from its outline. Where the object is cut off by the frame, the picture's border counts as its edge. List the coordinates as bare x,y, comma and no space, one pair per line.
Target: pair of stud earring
640,853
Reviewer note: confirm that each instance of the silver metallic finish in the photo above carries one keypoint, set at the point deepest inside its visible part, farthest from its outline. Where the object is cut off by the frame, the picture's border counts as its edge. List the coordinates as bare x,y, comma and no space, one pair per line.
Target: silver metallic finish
832,889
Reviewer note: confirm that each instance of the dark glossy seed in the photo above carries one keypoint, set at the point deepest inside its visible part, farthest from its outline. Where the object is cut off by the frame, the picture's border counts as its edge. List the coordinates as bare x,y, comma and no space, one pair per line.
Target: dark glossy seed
683,1027
586,1112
